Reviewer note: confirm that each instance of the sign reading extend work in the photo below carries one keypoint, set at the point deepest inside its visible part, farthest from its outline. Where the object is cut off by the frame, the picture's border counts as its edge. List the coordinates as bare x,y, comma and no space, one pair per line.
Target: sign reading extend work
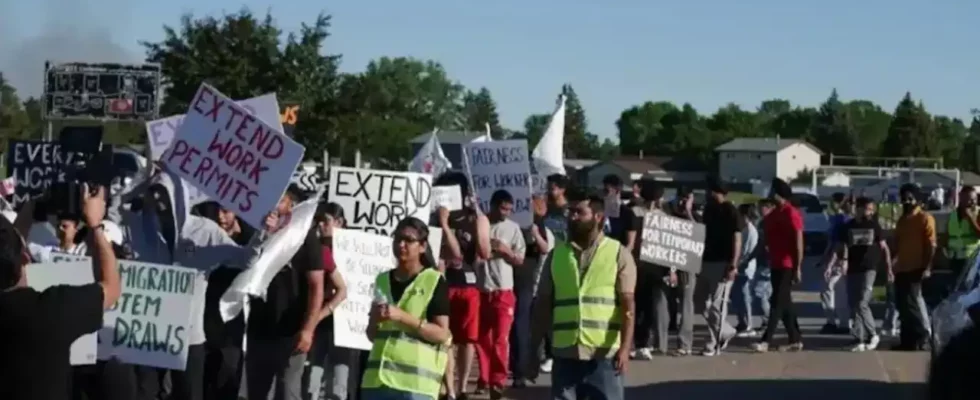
672,242
234,157
376,201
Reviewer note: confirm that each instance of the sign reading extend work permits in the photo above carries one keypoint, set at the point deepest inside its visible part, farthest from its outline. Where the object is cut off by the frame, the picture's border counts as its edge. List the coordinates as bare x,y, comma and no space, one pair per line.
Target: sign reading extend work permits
672,242
234,157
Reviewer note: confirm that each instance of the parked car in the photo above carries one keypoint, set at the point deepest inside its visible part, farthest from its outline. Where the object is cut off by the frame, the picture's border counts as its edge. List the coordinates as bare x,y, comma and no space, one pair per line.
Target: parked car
816,224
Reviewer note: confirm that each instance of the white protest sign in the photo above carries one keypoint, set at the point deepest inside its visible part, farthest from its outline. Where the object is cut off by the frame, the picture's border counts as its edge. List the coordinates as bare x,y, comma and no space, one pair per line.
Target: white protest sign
43,276
450,197
160,133
375,200
236,159
150,323
501,165
360,256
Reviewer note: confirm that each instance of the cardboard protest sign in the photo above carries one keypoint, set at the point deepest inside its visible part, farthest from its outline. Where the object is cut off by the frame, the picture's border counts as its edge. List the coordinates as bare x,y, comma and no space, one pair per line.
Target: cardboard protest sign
84,350
237,159
160,133
33,164
375,201
450,197
150,324
672,242
360,256
501,165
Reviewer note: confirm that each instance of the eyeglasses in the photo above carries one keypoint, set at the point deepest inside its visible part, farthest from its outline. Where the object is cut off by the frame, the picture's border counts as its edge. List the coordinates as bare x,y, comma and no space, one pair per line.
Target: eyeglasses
406,239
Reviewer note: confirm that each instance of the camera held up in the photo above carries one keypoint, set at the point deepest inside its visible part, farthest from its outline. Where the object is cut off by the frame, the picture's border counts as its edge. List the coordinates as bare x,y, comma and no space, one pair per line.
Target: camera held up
85,160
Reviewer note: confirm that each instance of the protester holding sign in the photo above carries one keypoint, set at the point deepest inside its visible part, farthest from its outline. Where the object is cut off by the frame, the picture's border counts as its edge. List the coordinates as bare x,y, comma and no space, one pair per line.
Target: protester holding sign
281,327
164,232
409,323
40,327
466,240
324,355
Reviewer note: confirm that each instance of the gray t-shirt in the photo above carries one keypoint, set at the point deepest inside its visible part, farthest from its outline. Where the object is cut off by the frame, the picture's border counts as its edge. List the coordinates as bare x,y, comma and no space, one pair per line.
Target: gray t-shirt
496,274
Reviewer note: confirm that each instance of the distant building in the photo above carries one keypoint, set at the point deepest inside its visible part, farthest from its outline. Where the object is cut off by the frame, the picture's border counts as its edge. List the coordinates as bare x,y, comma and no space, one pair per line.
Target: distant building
746,159
678,170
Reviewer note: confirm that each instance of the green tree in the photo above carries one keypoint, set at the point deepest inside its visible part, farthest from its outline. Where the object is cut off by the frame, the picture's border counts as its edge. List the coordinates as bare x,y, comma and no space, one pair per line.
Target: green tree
577,144
911,133
731,121
534,127
14,120
951,134
244,55
639,128
871,123
832,131
479,109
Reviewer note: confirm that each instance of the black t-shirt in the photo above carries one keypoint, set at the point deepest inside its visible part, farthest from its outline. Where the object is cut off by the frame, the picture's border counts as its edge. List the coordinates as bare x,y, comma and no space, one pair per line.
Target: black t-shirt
862,239
215,329
438,306
532,250
463,223
721,221
625,223
36,333
281,315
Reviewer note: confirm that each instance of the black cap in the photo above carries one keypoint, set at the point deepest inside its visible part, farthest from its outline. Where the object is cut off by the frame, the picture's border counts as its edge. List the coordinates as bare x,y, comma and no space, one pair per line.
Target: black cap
716,185
781,188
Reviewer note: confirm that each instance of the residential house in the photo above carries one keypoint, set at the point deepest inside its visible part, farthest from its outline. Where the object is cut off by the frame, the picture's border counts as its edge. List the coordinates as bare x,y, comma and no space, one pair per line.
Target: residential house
743,160
676,170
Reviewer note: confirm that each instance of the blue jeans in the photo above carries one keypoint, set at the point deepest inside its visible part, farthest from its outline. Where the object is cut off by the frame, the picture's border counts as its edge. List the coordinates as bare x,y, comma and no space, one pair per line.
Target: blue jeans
891,311
520,335
585,379
762,289
391,394
742,297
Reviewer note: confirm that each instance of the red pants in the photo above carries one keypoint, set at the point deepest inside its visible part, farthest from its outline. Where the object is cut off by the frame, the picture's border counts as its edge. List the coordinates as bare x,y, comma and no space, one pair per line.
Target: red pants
493,348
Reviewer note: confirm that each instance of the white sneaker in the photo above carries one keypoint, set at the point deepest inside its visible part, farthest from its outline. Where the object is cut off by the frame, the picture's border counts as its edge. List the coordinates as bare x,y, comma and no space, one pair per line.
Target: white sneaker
632,354
546,366
760,347
748,333
645,353
709,352
859,348
873,343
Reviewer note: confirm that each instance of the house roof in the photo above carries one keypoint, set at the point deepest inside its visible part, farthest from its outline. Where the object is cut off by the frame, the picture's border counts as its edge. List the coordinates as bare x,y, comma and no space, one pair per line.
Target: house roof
645,165
766,145
580,163
449,137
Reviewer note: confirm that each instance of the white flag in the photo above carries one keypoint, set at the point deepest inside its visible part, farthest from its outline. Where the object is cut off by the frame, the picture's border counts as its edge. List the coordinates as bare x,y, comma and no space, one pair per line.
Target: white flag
548,156
430,158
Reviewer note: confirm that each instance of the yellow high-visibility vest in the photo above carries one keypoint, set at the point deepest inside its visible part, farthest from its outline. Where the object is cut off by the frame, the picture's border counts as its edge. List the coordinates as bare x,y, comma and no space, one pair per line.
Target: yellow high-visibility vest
400,359
963,241
585,308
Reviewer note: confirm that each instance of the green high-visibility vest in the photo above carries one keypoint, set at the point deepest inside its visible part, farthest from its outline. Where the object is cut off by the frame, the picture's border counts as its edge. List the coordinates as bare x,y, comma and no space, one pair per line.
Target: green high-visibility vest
963,241
400,359
586,312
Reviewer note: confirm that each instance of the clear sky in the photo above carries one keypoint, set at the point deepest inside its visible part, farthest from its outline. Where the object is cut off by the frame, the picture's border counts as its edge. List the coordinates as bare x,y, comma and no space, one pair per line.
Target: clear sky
615,53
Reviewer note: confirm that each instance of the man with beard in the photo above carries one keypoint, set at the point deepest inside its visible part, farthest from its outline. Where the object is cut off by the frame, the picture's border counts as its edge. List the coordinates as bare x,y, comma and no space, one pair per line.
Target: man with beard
586,299
964,234
915,238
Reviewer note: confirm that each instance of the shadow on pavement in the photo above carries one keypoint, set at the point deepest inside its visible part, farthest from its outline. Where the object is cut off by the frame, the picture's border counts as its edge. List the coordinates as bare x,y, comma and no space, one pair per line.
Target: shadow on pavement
760,390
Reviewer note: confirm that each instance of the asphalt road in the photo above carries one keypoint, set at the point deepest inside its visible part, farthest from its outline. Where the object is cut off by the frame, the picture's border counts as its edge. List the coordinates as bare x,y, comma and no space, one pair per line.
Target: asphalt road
825,370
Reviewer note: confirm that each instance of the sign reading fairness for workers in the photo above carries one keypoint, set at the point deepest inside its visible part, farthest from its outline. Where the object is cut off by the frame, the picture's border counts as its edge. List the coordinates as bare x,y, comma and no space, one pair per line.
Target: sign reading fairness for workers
672,242
375,201
234,157
501,165
360,256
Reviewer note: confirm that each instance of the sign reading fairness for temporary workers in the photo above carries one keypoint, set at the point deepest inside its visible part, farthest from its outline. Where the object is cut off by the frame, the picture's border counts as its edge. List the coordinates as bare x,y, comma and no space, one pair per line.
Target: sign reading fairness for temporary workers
672,242
375,201
235,158
501,165
360,256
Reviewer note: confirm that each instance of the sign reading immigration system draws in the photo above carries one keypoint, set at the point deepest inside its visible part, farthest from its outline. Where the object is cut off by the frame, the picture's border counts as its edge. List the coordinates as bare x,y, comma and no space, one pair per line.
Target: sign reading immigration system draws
235,158
150,323
375,201
100,91
160,133
501,165
67,271
672,242
360,256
